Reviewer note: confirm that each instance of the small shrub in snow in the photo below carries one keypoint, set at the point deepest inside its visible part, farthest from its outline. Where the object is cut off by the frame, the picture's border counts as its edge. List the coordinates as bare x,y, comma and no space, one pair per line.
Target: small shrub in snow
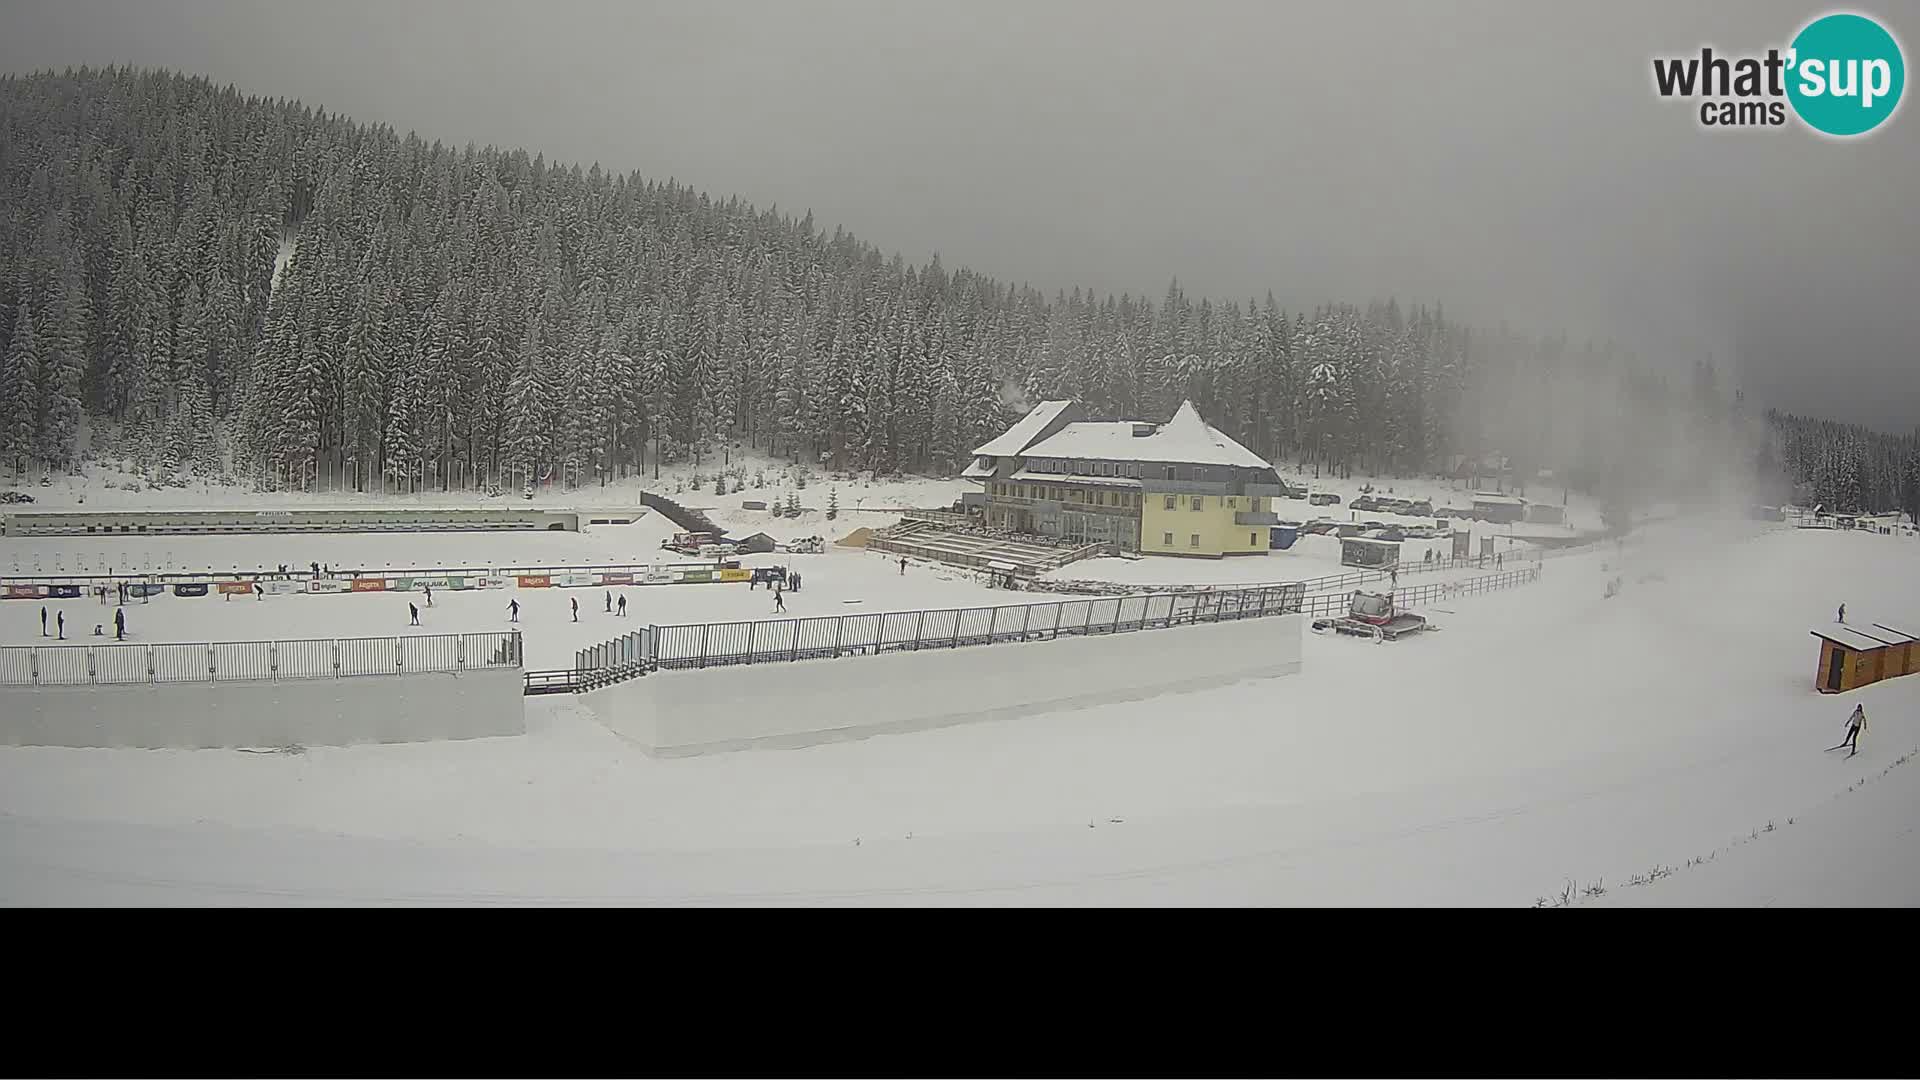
833,504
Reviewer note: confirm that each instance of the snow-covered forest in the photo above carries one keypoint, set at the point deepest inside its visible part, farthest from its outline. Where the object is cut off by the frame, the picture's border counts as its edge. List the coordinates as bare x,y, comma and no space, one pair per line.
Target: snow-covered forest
199,282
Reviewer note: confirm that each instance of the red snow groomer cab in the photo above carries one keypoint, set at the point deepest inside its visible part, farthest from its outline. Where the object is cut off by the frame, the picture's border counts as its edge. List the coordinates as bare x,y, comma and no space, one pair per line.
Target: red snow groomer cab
1373,615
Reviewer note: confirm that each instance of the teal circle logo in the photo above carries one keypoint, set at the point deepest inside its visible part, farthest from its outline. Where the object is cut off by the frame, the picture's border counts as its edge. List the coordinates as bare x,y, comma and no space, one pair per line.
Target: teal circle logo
1847,74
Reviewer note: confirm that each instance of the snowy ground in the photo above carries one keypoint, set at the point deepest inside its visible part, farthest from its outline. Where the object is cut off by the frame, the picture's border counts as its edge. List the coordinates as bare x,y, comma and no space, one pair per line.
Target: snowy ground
1545,735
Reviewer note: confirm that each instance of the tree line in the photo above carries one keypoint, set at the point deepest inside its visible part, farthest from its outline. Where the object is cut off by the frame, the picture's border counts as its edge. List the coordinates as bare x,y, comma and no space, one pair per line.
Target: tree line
200,282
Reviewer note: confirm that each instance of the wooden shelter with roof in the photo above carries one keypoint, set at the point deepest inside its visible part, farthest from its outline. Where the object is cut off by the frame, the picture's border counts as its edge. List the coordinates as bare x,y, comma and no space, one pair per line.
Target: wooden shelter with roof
1853,656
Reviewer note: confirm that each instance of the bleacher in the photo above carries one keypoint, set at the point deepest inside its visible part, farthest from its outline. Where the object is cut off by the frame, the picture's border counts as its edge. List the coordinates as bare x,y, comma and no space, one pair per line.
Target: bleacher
976,547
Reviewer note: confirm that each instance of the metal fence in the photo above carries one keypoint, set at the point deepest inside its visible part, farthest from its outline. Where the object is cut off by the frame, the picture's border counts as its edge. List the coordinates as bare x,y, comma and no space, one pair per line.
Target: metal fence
1335,603
236,661
703,645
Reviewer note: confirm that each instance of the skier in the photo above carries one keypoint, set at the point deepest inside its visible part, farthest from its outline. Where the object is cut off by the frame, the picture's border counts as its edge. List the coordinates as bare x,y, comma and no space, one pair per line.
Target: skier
429,589
903,566
61,619
258,592
119,624
1842,617
623,605
316,569
576,609
1856,723
779,602
609,599
513,606
43,620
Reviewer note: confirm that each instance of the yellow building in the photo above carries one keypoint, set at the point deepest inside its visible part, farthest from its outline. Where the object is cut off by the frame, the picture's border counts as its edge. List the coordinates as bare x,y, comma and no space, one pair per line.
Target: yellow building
1178,488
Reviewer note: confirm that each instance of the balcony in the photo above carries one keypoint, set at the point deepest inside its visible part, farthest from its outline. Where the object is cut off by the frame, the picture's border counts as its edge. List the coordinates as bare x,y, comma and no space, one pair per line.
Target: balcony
1256,517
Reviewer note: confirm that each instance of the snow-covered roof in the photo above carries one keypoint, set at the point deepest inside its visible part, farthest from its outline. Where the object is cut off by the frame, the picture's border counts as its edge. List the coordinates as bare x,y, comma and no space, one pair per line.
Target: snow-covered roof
1850,638
1908,634
1186,439
1497,498
976,471
1014,440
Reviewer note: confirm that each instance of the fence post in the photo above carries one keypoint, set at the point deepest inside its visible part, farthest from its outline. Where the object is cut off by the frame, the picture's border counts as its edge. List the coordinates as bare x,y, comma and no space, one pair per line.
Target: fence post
993,620
149,663
273,659
1026,621
91,676
1115,628
336,658
705,629
751,628
210,664
399,660
839,624
460,651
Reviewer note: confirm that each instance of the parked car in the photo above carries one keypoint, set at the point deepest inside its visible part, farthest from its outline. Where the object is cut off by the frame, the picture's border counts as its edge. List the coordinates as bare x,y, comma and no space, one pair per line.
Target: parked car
1323,498
1364,502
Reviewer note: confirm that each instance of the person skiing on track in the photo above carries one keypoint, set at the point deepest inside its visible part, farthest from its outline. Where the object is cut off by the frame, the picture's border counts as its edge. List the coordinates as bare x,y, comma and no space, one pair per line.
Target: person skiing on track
1856,723
429,589
513,608
258,592
779,602
576,609
413,612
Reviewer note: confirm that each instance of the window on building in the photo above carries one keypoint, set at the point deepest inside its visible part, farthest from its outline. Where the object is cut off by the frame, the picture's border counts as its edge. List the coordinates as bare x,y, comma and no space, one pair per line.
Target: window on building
1197,500
1233,503
1253,539
1193,540
1166,539
1169,505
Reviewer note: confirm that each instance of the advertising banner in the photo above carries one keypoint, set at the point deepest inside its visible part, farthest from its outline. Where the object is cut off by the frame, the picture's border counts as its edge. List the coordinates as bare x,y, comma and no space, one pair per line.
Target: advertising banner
736,575
362,584
237,588
659,576
616,579
24,592
577,580
63,591
282,588
190,588
690,577
534,581
489,582
148,588
327,585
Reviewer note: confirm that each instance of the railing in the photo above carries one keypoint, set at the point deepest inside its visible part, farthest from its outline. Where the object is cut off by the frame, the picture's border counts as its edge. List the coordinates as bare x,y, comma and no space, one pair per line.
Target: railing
781,640
1335,603
254,661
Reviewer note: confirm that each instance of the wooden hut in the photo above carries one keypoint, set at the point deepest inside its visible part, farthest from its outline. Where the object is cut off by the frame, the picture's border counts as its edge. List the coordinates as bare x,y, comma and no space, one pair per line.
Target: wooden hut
1853,656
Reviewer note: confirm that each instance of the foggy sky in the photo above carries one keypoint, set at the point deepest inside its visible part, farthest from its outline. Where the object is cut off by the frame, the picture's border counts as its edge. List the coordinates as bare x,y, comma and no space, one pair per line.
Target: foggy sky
1508,160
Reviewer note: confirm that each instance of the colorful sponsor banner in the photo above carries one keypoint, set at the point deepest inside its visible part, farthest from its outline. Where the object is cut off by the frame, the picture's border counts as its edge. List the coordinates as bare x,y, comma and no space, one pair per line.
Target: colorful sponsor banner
282,588
63,591
190,588
363,584
573,581
692,576
534,581
148,588
489,582
236,588
328,585
659,576
25,592
736,575
616,579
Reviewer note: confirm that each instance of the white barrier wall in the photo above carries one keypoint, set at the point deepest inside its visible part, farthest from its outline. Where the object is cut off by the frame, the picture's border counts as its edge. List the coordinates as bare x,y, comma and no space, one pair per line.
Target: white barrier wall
678,713
304,712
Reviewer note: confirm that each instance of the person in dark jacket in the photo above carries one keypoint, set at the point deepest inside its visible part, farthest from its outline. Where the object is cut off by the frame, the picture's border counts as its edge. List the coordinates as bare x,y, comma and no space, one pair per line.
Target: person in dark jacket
413,613
43,620
779,602
576,609
623,605
258,592
61,618
513,609
903,566
609,599
119,624
429,589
